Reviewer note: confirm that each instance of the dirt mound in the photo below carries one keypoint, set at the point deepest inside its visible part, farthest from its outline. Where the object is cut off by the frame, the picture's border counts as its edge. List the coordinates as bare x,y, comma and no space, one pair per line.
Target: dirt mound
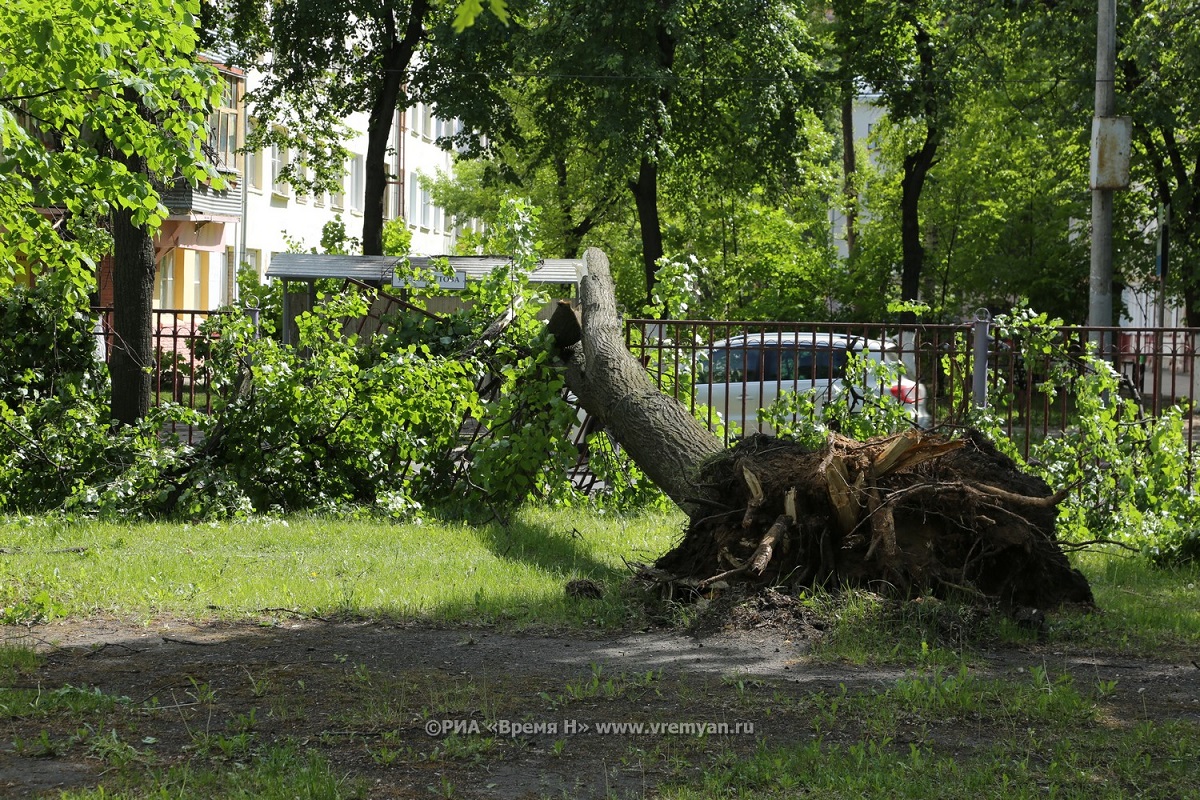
904,516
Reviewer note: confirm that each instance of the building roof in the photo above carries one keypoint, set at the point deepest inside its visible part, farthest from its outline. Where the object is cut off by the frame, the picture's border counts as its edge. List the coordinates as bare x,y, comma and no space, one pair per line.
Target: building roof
308,266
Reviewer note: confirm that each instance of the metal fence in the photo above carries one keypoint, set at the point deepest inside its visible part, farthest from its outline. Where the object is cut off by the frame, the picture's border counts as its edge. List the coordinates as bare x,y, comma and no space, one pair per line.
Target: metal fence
956,366
179,373
1029,390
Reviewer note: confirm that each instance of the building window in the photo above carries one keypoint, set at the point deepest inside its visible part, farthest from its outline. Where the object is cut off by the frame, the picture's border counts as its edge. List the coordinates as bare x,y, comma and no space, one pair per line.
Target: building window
303,173
426,209
254,165
337,198
223,125
279,162
414,197
358,185
166,280
200,283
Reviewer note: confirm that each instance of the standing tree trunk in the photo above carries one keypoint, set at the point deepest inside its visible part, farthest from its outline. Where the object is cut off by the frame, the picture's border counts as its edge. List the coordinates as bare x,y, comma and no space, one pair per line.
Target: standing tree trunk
916,170
396,60
132,362
849,171
645,194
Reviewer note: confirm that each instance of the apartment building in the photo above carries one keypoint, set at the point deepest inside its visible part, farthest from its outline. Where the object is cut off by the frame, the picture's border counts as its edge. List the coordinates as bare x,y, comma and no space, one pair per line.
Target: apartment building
258,215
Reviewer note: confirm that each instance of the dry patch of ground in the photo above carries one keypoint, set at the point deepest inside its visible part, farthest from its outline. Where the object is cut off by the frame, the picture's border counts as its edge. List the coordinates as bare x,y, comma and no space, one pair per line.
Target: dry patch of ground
405,710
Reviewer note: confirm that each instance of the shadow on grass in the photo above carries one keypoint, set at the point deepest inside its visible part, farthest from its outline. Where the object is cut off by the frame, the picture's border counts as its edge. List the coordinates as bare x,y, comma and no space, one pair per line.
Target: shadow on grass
551,549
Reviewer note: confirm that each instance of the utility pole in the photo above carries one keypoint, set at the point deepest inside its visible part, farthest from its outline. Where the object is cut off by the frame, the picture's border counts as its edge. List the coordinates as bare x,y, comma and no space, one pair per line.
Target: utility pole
1100,303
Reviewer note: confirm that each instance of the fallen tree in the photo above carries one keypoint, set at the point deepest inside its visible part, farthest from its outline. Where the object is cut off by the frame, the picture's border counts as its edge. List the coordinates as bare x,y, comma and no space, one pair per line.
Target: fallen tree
903,515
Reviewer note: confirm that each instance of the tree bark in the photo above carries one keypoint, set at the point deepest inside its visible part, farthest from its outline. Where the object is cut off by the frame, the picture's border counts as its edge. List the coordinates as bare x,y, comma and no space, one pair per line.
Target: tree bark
396,60
916,170
661,437
645,195
132,362
849,171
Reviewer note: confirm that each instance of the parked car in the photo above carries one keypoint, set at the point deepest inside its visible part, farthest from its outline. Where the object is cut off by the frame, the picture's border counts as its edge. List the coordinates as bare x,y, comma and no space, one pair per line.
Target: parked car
746,373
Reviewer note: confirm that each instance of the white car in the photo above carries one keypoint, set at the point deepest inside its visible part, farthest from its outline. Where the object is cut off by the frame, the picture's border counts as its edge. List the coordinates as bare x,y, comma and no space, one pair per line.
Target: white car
749,372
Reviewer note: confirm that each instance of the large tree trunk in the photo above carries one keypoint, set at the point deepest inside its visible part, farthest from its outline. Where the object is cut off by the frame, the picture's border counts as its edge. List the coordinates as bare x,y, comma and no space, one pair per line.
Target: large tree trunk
849,170
645,195
396,61
659,434
132,362
916,170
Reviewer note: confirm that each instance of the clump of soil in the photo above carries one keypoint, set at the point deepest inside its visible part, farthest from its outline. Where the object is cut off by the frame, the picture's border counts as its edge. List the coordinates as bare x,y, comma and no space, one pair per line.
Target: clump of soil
903,516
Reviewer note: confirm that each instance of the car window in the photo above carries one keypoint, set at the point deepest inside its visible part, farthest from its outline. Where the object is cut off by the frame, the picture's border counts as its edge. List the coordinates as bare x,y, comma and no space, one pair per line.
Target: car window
809,363
752,363
733,365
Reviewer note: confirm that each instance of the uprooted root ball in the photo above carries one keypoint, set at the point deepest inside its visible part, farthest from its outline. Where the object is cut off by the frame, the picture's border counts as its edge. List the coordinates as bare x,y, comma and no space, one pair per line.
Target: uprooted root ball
903,515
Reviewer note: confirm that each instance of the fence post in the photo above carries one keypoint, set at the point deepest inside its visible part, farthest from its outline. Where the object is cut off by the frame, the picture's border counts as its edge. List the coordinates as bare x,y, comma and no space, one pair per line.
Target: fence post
253,310
979,364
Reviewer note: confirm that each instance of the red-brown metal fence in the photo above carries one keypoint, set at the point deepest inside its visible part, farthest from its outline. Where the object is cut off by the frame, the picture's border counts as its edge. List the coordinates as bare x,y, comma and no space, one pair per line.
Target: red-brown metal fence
179,372
1029,388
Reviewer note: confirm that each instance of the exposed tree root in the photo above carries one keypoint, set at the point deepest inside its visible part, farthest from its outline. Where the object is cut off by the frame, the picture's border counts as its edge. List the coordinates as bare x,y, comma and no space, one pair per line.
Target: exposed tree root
905,515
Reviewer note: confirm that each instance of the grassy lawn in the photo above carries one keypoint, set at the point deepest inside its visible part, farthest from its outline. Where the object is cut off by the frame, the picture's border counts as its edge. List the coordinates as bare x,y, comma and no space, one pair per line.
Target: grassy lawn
919,699
449,572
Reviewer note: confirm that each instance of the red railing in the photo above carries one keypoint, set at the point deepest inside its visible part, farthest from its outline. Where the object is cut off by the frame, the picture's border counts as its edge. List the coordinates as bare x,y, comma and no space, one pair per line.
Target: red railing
1030,391
179,371
1158,365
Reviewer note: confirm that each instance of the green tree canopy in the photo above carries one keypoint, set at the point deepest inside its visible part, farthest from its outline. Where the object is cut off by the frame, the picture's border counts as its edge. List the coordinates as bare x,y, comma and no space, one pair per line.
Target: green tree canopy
83,84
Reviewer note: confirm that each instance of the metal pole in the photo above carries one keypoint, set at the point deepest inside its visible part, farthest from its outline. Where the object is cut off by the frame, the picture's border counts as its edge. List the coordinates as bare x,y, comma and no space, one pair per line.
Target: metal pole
979,364
232,270
1100,303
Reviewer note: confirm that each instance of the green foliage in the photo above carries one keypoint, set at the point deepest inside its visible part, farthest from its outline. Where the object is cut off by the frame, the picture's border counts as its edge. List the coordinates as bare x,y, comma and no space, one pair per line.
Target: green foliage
626,486
858,407
60,454
252,293
864,407
1129,473
525,412
677,288
83,81
51,349
467,11
397,238
793,415
325,425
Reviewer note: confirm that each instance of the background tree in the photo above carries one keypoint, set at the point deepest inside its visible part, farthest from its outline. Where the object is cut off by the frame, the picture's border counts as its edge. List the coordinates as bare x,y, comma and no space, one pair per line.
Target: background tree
1159,68
912,54
645,89
96,97
322,61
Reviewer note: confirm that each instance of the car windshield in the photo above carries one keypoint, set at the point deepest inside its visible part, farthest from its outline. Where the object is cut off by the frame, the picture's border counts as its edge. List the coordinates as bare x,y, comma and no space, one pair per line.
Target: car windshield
773,362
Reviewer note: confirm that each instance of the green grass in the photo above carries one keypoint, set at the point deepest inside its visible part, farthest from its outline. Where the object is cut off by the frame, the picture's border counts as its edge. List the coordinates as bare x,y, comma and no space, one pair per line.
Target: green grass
280,773
1146,761
941,730
445,571
1143,611
1146,609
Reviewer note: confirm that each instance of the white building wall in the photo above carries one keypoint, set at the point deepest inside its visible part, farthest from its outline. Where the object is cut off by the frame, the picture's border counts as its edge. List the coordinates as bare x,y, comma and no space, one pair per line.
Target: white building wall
432,231
275,213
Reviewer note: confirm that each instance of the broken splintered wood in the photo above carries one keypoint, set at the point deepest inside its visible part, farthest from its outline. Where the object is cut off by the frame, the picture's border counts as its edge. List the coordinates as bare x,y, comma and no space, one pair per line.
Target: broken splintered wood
766,547
841,495
883,527
757,496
